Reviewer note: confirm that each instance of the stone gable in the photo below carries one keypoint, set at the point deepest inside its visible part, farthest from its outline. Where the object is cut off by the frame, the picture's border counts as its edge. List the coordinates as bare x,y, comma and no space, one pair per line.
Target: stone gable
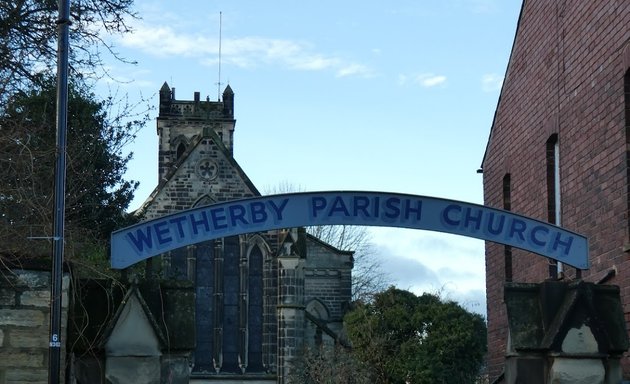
207,171
251,291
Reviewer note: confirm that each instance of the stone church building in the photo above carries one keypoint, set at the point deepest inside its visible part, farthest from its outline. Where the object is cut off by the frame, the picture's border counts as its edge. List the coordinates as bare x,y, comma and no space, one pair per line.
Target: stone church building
559,151
259,298
241,309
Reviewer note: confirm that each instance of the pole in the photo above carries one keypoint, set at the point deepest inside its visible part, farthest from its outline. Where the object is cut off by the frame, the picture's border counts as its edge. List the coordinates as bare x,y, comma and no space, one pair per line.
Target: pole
219,81
54,355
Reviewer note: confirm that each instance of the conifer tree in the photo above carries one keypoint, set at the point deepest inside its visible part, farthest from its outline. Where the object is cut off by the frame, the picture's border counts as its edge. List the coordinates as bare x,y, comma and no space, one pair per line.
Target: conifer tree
97,195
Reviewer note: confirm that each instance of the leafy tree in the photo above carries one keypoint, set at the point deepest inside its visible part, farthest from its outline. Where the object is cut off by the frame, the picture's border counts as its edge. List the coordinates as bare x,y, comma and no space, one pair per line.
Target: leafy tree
28,39
96,193
417,339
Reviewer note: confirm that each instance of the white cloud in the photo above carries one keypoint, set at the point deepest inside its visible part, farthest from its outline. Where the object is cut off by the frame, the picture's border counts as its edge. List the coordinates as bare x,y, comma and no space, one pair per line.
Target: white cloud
310,63
354,70
406,273
424,261
245,52
430,80
163,41
426,80
491,82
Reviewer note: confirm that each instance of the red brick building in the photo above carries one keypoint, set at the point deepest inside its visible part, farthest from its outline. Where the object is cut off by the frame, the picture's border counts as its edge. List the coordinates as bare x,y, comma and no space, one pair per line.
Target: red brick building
559,147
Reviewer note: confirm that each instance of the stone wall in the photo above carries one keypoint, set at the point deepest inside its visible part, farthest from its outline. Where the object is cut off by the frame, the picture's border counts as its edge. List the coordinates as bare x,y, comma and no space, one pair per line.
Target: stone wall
24,325
564,333
188,184
327,278
290,313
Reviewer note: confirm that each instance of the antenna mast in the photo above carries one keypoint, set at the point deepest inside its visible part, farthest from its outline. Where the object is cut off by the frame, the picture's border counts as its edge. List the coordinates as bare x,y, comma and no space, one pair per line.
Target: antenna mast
219,82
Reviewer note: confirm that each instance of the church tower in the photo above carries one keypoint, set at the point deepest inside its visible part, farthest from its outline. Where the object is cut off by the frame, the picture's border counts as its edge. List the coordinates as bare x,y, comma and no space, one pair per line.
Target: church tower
258,296
181,122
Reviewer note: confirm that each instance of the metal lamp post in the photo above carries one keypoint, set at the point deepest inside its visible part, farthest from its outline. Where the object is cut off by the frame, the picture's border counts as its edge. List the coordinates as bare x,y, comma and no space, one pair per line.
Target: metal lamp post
54,356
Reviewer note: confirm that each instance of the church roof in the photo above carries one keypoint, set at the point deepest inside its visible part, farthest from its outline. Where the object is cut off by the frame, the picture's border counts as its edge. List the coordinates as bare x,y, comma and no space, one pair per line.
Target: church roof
330,247
165,87
505,78
144,319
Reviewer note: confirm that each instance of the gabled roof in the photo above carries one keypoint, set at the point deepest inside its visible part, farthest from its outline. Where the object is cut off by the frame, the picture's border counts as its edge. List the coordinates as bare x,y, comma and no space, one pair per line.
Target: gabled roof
505,77
328,246
133,295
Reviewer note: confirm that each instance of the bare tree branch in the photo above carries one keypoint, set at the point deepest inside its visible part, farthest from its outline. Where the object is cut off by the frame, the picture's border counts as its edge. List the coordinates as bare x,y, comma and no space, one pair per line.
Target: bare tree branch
368,277
28,39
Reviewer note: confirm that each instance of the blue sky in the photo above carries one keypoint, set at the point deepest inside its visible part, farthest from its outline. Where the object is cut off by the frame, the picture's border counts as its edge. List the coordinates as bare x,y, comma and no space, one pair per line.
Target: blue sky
341,95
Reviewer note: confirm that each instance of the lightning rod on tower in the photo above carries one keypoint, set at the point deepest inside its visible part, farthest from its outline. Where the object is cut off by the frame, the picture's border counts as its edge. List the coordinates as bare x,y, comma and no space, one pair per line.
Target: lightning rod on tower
219,81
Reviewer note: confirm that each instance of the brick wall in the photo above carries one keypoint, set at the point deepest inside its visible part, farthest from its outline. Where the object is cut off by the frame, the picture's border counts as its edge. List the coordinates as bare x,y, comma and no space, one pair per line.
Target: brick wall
24,325
565,77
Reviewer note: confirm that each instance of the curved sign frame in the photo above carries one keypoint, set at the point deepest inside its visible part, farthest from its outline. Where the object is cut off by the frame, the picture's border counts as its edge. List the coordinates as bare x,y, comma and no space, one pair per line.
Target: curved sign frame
150,238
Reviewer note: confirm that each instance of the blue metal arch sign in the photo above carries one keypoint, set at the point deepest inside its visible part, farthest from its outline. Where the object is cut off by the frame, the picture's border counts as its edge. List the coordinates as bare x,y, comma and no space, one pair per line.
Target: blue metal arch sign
151,238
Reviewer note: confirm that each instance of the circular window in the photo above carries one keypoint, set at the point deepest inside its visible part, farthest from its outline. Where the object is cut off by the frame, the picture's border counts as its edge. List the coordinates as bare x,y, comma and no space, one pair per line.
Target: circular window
207,169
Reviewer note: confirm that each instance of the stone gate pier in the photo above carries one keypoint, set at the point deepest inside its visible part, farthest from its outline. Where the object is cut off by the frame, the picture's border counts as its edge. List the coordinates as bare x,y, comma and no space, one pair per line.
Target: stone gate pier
564,332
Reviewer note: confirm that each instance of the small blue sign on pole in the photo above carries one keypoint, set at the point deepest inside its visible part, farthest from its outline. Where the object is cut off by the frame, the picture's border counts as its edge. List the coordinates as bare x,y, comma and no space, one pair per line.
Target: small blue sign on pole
151,238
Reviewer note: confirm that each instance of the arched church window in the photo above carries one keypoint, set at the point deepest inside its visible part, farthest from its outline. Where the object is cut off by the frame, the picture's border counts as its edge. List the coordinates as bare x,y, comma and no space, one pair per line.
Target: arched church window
229,287
553,191
205,265
181,148
203,200
255,311
227,308
317,309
